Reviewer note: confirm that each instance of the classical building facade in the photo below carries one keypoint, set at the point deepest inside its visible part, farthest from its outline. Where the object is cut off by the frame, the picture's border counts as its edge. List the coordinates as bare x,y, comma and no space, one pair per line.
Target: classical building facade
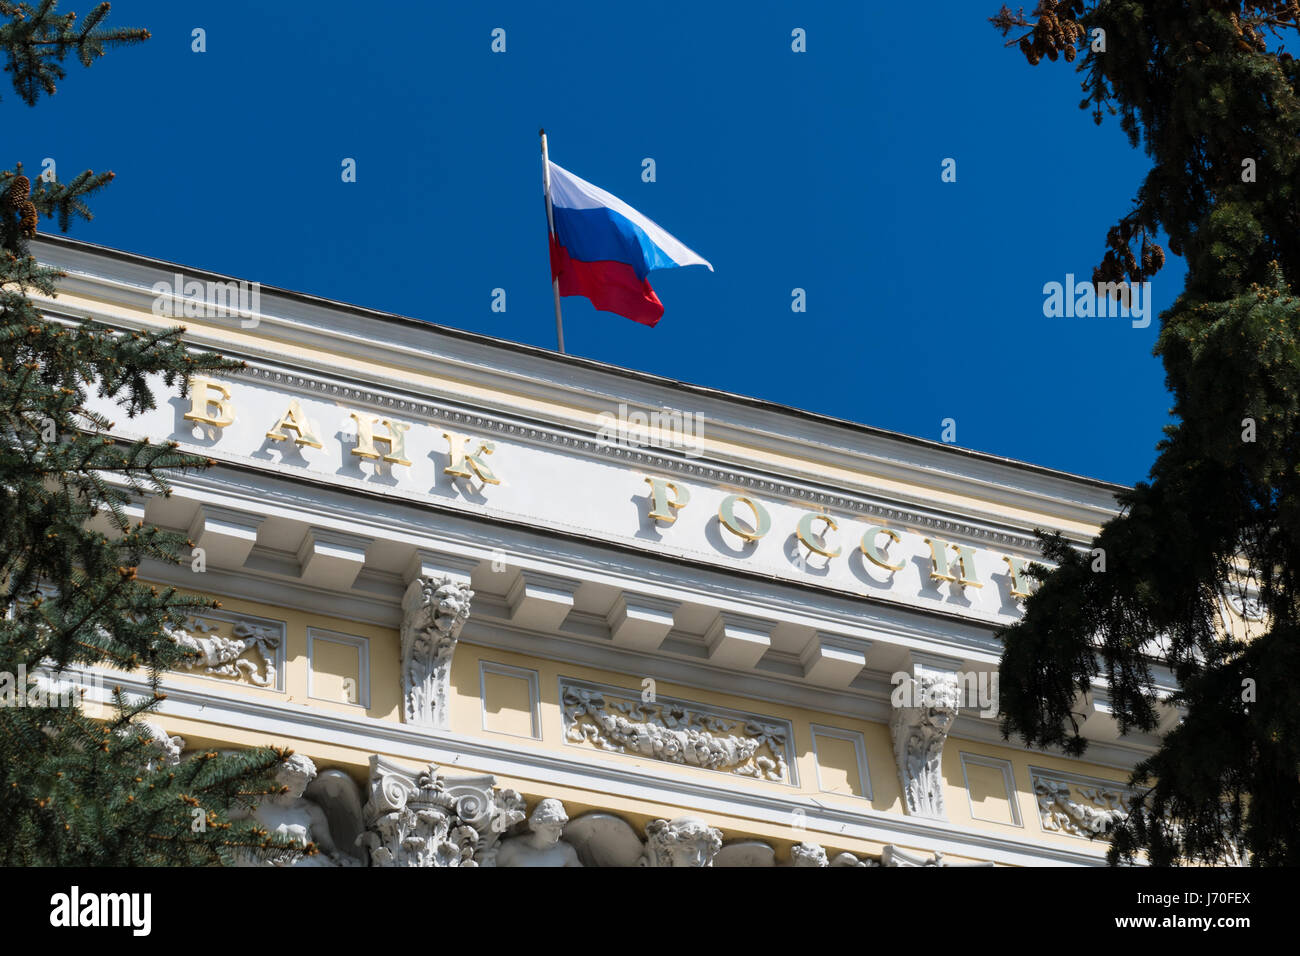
510,607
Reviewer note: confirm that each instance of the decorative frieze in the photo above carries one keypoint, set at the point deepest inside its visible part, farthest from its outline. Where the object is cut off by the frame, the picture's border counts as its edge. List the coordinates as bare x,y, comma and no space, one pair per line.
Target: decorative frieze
233,647
425,819
433,612
1078,806
676,731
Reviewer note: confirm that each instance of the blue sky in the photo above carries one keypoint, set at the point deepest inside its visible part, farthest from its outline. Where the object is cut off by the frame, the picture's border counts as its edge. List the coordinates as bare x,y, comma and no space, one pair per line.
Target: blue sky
817,170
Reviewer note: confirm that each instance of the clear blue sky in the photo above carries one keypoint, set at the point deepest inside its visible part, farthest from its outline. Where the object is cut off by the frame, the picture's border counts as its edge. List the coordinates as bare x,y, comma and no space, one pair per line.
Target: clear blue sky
818,170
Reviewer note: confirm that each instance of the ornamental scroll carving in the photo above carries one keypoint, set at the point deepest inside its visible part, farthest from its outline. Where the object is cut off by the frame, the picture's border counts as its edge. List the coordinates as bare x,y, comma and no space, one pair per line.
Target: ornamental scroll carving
426,819
1094,812
433,613
919,735
676,731
250,651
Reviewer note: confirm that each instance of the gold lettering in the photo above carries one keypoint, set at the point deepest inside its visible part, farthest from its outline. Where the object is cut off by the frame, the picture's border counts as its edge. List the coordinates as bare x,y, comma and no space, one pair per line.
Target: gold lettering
941,570
366,438
810,537
966,576
727,515
467,465
665,508
873,553
1019,569
201,400
939,560
294,420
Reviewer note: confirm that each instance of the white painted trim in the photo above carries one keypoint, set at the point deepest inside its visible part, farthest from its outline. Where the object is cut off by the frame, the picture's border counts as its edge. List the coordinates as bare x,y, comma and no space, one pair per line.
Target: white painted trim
362,644
860,749
1008,778
486,667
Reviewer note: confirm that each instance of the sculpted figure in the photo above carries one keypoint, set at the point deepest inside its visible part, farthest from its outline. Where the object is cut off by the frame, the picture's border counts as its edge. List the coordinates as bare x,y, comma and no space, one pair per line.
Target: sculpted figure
291,815
808,854
684,841
164,750
542,845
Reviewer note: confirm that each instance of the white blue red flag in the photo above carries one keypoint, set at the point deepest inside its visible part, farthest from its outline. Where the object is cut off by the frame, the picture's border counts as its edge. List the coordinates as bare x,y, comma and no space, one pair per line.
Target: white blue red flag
602,249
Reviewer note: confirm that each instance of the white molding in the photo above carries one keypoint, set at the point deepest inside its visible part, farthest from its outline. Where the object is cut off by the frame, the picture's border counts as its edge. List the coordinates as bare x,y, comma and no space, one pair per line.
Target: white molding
860,749
1008,777
486,667
362,644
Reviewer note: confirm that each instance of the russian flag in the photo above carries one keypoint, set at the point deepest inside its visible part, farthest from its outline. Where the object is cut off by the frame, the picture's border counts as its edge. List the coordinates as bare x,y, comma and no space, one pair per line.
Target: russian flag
602,248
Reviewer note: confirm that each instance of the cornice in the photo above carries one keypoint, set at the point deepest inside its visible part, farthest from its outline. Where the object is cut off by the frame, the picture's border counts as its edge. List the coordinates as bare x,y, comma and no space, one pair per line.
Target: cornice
333,328
759,482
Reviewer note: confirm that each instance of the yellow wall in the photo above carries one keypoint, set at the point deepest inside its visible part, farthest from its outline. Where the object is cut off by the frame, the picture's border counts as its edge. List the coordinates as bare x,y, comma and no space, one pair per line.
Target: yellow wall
467,718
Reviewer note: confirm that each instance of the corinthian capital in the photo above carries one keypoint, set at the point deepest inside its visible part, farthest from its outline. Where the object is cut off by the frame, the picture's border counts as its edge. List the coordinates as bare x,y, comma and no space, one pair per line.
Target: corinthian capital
433,612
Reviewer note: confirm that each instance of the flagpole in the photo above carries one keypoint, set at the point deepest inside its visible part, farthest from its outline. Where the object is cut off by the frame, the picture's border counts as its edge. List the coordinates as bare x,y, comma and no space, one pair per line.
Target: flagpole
550,222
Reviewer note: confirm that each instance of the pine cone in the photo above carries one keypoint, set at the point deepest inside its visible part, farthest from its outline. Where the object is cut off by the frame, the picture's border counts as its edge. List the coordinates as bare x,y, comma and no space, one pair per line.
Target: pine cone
19,191
27,209
1158,257
1069,54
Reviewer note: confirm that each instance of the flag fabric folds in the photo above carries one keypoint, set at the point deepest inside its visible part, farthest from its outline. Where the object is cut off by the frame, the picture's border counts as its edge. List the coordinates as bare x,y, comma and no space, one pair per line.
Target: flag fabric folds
602,249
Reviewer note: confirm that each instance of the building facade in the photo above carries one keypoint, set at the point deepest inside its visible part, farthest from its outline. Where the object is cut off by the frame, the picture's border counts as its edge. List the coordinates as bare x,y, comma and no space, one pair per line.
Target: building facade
512,608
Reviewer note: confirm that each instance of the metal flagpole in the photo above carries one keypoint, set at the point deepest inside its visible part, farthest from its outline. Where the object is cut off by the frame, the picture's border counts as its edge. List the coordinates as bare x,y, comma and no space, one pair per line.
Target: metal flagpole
550,222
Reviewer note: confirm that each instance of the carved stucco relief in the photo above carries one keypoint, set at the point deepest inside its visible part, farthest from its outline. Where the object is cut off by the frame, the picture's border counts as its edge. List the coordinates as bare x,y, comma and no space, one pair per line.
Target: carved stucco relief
233,647
675,731
433,612
423,818
426,818
919,735
1076,806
